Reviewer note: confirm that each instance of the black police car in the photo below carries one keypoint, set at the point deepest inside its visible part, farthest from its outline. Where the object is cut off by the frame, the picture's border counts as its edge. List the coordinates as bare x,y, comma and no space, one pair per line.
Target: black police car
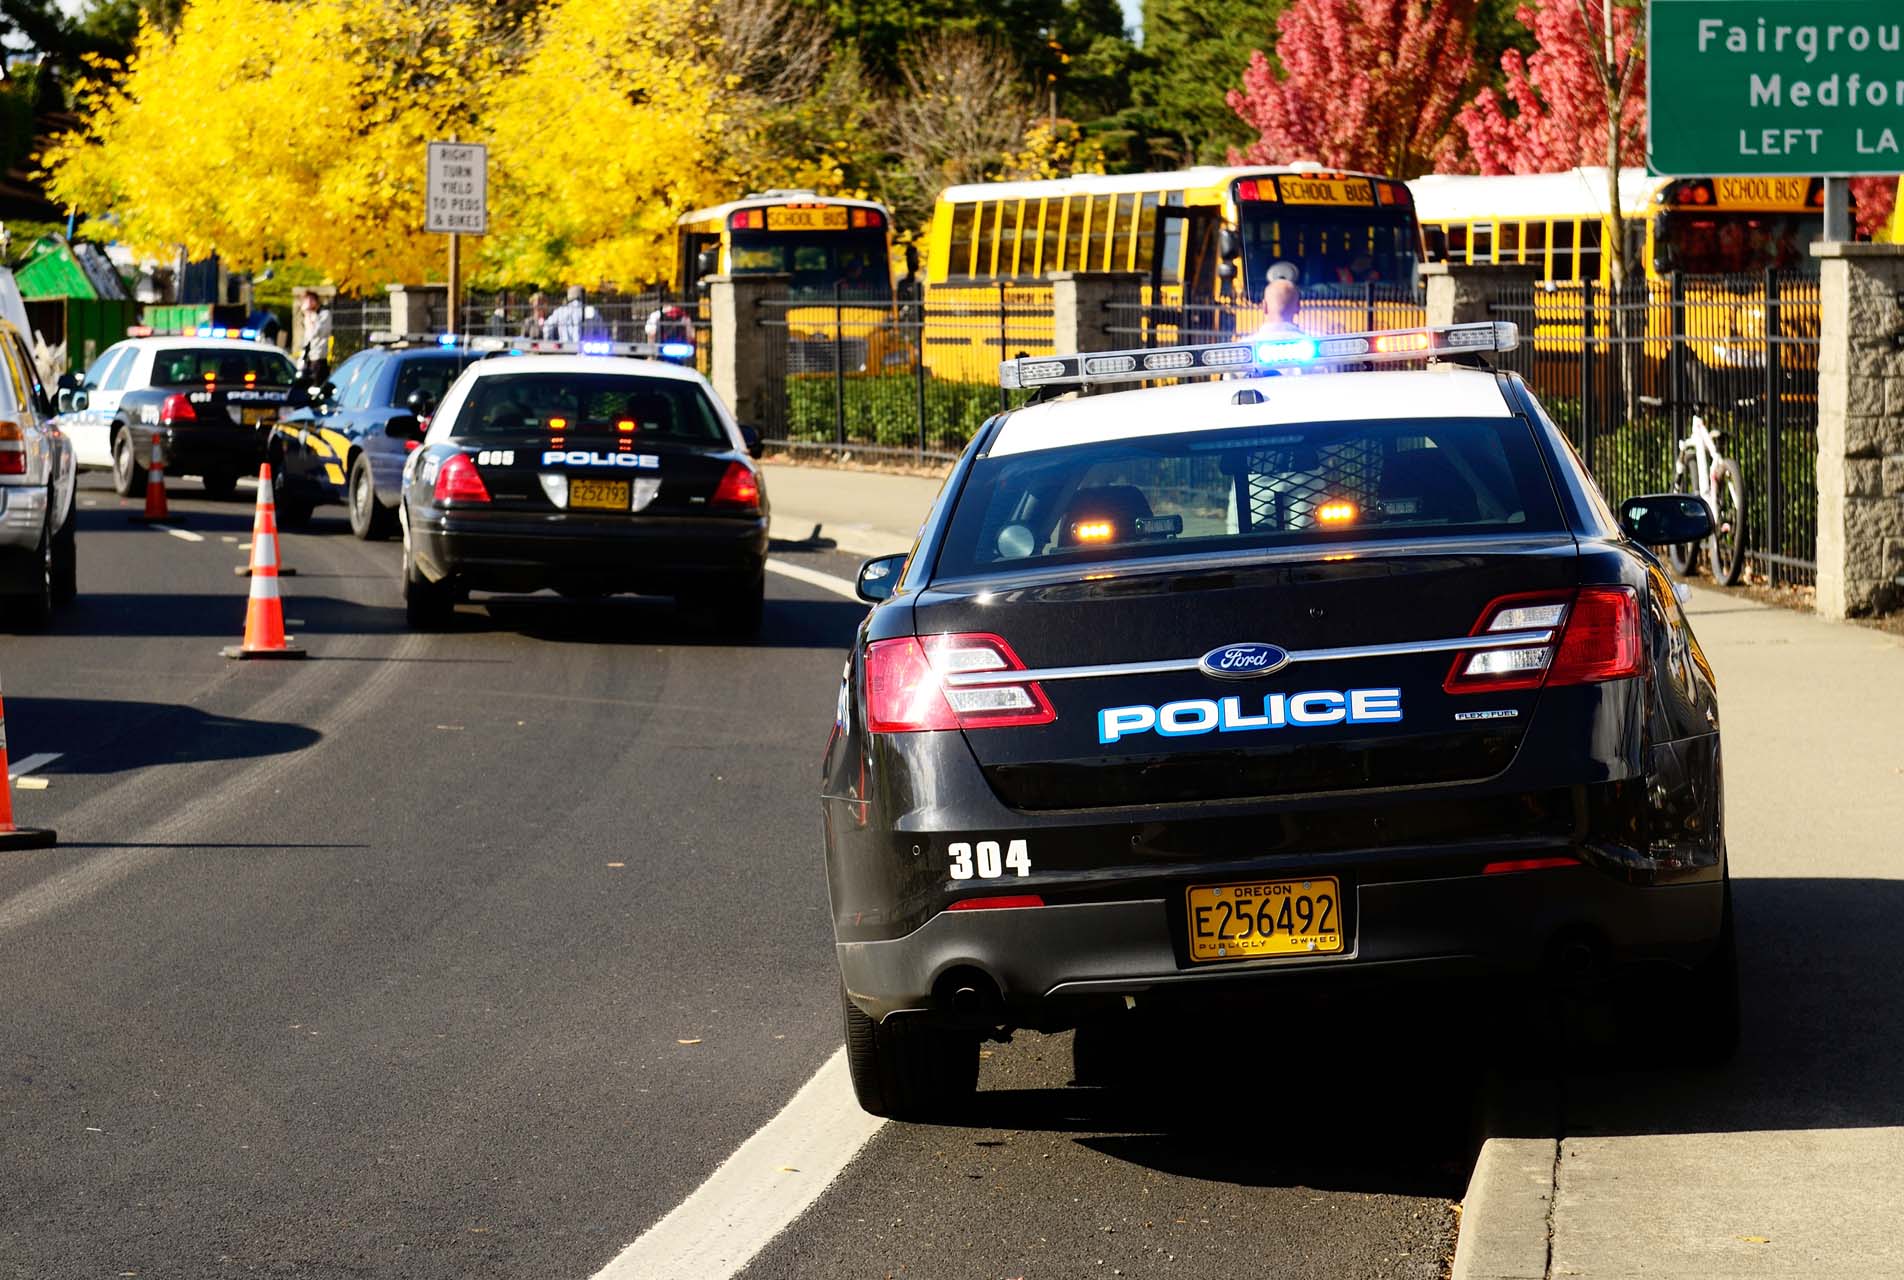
589,474
1231,688
349,442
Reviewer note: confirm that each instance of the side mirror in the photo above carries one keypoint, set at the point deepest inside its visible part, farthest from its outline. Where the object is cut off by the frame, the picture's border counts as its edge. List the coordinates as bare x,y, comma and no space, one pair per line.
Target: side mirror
1226,271
1229,246
420,402
708,263
912,259
404,427
751,436
298,397
879,578
1437,241
69,382
1666,519
65,400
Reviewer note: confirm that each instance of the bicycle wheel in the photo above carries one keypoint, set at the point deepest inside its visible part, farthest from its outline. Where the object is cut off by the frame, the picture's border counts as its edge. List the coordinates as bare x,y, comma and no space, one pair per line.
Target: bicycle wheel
1728,529
1684,555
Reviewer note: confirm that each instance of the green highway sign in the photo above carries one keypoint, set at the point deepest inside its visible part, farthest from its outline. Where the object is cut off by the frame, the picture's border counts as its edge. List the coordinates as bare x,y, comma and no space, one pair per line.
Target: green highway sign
1775,87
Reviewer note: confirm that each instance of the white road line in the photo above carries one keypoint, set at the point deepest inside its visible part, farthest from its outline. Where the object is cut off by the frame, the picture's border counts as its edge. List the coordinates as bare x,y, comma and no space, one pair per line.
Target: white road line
186,534
760,1189
814,578
20,768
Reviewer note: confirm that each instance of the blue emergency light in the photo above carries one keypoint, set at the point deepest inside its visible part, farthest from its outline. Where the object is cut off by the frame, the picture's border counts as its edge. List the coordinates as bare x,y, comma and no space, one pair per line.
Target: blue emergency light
677,351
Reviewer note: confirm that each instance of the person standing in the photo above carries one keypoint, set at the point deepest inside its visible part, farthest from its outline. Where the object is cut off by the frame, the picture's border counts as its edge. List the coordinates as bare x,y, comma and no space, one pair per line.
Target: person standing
1281,300
314,356
565,323
536,323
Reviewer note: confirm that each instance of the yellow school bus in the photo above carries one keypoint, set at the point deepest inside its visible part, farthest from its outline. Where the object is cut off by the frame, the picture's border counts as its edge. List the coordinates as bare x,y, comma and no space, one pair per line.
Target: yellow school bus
1201,241
1561,224
834,251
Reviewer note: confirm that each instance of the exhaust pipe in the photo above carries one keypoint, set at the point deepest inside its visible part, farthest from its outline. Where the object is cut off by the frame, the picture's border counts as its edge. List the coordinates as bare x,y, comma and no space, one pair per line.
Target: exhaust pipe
969,992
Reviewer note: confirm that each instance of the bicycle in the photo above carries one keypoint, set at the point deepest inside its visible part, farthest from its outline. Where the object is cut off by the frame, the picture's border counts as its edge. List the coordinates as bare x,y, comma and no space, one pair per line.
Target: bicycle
1722,485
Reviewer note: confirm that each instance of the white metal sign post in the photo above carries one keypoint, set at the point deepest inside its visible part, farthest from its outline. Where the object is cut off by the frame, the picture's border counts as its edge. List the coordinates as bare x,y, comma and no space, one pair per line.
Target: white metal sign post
457,205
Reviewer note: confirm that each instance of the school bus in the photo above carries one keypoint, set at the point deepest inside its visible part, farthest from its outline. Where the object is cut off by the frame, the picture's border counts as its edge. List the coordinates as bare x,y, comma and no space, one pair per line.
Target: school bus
1711,227
832,249
1202,242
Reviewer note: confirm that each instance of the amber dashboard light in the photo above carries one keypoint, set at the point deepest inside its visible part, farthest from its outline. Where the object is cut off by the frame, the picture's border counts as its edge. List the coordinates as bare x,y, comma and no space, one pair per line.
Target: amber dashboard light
1336,512
1092,530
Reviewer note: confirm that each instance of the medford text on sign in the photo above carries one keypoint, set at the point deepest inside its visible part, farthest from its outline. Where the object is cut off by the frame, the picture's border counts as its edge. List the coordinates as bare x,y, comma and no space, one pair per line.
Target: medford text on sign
1775,87
458,193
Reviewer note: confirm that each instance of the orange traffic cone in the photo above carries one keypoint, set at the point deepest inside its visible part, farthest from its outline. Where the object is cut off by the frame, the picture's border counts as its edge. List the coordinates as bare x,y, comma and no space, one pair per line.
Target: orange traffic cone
264,618
156,507
12,837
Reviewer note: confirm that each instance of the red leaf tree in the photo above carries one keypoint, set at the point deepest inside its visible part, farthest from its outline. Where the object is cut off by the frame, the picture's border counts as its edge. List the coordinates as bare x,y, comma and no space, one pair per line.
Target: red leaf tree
1363,84
1554,113
1872,201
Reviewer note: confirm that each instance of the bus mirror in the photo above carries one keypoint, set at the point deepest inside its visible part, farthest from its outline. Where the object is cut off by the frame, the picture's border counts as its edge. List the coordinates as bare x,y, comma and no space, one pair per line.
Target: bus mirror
1228,246
1226,271
708,262
1437,244
912,259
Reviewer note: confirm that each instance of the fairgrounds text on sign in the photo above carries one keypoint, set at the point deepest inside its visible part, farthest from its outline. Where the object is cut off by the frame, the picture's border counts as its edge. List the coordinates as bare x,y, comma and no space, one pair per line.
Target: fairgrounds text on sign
1775,87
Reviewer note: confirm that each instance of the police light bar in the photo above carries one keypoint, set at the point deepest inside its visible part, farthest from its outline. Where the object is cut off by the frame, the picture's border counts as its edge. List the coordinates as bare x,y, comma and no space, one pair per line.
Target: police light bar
676,352
1264,354
221,331
384,338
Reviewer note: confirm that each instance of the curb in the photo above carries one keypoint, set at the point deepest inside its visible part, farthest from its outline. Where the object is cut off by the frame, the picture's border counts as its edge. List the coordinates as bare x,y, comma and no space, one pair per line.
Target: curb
1507,1214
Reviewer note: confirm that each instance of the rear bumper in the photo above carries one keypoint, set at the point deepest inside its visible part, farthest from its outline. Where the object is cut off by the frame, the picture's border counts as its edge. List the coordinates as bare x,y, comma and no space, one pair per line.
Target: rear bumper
659,554
22,516
196,450
1052,965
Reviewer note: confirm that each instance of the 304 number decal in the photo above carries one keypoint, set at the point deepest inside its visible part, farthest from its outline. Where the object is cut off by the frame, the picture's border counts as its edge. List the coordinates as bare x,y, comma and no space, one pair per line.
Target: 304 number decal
985,860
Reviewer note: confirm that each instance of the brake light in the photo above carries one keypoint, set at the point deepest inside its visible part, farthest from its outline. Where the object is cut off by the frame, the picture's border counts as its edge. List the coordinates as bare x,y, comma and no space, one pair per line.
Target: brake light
739,489
12,449
1513,865
1593,635
999,903
459,481
907,689
177,408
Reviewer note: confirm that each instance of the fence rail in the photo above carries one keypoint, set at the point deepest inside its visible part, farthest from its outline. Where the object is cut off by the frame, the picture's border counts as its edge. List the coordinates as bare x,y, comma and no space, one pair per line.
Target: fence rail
1623,372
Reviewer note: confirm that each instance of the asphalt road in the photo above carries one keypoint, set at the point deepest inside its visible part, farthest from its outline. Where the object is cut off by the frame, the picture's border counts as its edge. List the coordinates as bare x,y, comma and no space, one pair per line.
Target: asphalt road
474,954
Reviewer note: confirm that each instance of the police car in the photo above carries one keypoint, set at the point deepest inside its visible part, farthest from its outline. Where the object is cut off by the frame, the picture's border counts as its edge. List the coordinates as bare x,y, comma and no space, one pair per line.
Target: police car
593,468
1235,688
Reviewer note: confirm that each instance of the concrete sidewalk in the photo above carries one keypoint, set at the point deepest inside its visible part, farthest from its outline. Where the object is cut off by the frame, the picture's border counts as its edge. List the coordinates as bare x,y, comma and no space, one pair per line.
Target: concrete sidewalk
1789,1162
867,513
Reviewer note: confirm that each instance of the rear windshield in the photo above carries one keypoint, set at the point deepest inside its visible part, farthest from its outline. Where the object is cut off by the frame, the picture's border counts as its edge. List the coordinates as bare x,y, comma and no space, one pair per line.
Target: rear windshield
431,375
194,366
1195,493
589,406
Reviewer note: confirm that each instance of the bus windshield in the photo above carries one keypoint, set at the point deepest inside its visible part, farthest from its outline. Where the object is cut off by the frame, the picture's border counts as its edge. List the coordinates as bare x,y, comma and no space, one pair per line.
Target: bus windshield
816,260
1713,244
1333,250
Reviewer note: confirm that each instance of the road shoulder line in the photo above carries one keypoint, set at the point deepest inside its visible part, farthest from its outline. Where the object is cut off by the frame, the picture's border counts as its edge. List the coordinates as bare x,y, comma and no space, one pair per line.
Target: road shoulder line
1507,1212
759,1190
814,578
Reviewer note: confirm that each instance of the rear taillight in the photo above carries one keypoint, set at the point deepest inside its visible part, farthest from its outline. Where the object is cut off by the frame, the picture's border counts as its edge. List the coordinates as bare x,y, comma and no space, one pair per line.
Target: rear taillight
1573,637
459,481
913,684
12,449
739,489
177,408
1003,902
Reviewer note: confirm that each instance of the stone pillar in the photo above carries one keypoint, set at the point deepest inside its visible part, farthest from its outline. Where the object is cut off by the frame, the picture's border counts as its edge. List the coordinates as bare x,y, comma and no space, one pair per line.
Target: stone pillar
324,293
419,308
1459,293
1860,429
748,358
1081,309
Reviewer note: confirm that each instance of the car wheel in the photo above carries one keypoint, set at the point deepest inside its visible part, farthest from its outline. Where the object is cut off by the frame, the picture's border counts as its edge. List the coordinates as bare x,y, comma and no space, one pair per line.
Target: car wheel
220,485
33,609
733,606
128,477
293,510
906,1070
370,520
1693,1015
66,559
427,606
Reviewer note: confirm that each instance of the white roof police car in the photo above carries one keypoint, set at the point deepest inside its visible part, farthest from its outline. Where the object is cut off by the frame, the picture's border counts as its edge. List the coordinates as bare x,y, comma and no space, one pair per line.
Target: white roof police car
1212,688
590,470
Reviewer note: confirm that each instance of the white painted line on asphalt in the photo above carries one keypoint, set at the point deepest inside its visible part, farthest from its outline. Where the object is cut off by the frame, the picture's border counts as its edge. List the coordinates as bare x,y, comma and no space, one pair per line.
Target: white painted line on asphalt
814,578
27,764
760,1189
185,534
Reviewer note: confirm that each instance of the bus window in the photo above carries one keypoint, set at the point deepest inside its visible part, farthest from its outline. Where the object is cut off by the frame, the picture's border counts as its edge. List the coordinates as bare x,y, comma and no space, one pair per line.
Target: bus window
1050,219
1099,232
1009,263
1711,242
963,216
1534,244
1565,267
1590,230
1124,238
985,240
1172,248
1508,247
1076,229
1146,232
1481,242
1457,242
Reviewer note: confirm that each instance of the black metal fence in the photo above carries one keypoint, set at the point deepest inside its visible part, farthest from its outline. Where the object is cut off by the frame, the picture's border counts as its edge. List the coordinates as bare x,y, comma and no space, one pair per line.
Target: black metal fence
1139,320
353,320
1625,371
606,315
900,377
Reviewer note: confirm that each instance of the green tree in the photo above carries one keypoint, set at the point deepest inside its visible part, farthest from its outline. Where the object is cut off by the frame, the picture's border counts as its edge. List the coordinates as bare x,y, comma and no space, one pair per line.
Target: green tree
1194,53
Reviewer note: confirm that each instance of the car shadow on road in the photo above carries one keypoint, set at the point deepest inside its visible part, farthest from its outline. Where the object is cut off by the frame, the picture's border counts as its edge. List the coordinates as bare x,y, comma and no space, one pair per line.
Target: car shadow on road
134,613
646,620
101,736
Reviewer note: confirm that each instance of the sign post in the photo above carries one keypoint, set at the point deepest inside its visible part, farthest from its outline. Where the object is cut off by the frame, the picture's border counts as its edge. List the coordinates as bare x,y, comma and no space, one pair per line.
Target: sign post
457,204
1777,87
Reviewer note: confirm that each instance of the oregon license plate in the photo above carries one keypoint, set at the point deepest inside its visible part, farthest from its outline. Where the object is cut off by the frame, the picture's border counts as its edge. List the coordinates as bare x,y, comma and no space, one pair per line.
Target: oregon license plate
1266,918
257,417
598,495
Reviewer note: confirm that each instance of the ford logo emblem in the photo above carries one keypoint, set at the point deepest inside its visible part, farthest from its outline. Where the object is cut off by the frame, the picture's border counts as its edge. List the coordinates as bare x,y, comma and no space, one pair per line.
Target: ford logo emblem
1242,661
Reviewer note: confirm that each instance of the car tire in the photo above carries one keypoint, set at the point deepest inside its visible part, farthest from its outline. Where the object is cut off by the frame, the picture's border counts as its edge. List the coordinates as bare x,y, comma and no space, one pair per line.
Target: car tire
128,477
293,510
734,606
370,520
32,609
908,1070
66,559
220,485
1692,1016
427,606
